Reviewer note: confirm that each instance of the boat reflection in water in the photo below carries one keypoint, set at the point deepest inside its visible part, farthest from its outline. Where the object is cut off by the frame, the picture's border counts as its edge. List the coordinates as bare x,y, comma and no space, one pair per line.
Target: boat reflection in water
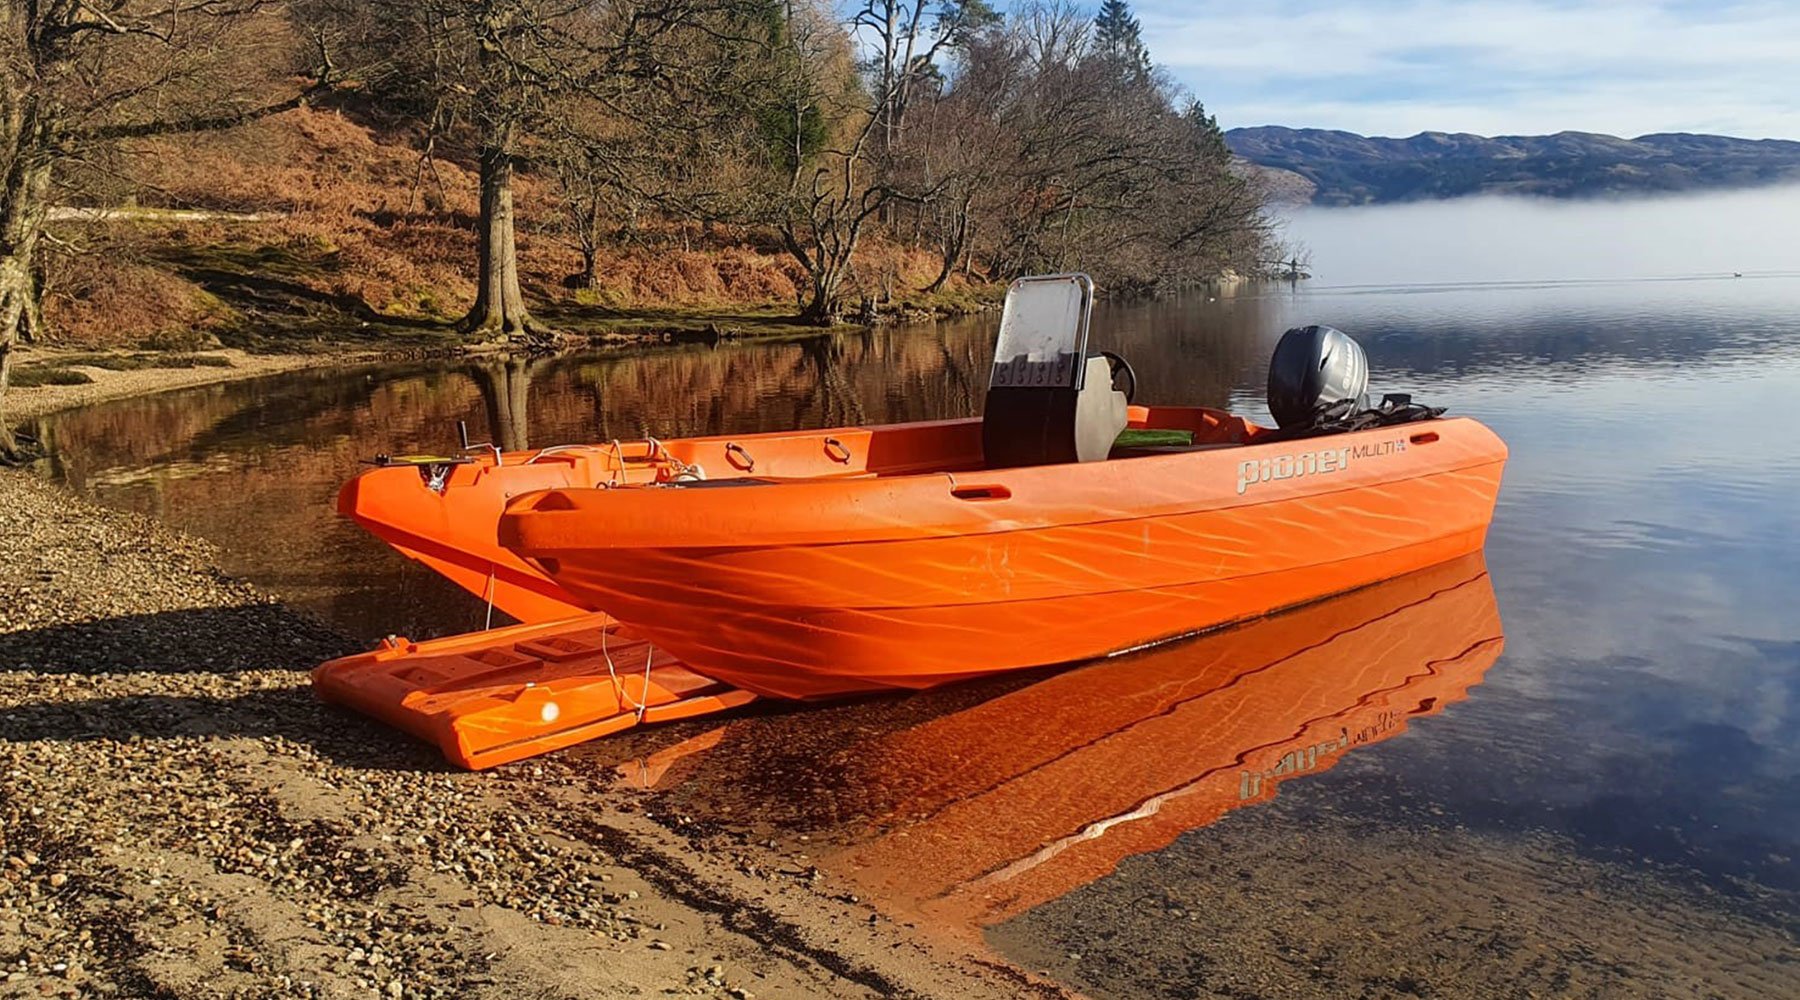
981,814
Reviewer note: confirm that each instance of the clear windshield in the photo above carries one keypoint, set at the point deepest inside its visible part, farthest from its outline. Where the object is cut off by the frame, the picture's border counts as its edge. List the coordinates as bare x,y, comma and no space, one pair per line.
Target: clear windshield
1043,332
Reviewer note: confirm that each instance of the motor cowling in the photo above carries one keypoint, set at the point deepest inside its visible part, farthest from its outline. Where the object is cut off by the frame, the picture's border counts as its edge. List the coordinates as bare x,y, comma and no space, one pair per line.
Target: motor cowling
1315,369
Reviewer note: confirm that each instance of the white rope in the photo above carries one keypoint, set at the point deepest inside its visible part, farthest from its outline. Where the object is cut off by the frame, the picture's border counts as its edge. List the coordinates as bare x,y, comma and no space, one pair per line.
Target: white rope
619,462
490,599
619,692
643,707
682,470
554,449
640,707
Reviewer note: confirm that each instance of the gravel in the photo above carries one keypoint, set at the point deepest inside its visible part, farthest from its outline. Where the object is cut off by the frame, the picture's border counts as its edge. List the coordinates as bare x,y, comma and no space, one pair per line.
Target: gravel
179,817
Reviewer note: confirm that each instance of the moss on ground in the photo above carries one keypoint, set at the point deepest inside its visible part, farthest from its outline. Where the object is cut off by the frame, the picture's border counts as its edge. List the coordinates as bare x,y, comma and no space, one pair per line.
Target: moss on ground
675,322
145,359
30,377
727,321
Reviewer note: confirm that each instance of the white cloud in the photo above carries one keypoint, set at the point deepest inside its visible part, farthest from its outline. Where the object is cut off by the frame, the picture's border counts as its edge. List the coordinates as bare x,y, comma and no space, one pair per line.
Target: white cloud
1487,65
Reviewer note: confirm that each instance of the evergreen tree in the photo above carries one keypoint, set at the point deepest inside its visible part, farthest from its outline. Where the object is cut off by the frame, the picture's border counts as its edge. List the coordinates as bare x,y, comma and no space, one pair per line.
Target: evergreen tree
1119,37
1209,139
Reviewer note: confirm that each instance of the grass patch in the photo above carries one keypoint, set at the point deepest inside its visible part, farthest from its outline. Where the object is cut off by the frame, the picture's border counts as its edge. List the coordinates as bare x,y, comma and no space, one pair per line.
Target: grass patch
31,378
1150,437
956,300
109,362
186,340
191,361
746,321
589,312
142,360
289,299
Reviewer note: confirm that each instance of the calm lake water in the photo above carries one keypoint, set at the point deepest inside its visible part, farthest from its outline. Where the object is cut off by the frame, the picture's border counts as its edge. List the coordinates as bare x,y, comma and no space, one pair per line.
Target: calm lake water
1612,804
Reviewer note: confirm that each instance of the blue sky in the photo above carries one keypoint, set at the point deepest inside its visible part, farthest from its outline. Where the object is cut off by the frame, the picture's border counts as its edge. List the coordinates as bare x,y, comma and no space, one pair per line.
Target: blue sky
1397,67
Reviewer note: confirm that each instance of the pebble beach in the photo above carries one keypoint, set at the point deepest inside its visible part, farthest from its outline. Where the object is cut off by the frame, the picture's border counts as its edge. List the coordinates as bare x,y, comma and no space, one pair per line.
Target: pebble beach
179,817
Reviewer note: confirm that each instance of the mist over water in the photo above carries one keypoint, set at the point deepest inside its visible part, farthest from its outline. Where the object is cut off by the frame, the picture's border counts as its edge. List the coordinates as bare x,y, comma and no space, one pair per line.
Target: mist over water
1507,239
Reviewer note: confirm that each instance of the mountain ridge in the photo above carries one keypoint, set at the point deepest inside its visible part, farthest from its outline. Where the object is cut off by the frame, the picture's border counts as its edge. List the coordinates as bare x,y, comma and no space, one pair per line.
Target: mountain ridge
1336,167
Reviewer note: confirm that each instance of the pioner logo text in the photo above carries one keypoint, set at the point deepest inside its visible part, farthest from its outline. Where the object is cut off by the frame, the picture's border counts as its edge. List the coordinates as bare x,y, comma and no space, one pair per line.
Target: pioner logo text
1310,463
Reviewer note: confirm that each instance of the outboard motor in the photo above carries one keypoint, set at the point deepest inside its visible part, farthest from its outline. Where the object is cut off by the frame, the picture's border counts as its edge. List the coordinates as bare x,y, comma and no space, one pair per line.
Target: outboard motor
1316,371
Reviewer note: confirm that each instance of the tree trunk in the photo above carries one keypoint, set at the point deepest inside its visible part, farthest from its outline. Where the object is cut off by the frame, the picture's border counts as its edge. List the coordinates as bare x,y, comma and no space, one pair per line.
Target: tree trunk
954,247
22,207
822,272
829,269
822,308
590,267
499,306
10,451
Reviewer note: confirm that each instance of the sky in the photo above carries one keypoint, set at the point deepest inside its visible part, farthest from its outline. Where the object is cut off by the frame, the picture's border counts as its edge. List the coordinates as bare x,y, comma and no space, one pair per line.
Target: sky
1493,67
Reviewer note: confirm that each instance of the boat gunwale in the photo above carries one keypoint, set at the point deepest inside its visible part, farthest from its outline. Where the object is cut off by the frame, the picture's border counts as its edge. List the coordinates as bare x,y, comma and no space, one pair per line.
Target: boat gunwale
627,505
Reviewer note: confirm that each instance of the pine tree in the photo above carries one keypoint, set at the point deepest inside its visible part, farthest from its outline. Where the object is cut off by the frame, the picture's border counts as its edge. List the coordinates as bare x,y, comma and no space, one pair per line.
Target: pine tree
1209,139
1120,38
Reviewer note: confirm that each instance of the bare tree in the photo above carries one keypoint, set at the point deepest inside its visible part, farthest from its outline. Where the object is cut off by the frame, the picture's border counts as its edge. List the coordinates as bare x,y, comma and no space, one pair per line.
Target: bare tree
679,148
466,69
959,146
80,73
1087,157
910,36
498,75
823,127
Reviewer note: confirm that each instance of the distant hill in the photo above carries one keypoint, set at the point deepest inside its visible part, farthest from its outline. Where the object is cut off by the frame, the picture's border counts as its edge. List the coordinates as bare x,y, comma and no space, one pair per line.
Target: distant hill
1343,168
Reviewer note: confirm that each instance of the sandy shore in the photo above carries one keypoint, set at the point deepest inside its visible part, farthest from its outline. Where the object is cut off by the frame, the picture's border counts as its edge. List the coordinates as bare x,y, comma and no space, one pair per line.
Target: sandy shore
107,384
180,818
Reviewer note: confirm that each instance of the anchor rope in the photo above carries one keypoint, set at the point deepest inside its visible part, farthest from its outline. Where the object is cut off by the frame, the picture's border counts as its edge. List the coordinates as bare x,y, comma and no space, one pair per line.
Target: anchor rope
490,599
618,470
619,691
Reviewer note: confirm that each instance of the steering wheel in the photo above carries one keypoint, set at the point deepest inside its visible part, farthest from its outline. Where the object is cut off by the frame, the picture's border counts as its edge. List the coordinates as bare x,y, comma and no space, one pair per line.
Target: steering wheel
1118,364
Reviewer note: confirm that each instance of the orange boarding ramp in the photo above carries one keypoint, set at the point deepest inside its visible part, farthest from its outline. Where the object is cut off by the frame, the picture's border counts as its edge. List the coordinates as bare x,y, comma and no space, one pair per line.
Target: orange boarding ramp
488,698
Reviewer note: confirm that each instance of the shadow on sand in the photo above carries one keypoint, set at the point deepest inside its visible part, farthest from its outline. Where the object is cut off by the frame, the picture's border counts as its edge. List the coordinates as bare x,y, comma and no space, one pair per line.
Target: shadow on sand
193,659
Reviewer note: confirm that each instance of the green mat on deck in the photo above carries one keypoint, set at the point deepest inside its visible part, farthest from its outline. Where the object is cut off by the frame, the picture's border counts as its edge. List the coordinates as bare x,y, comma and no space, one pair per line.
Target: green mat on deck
1151,438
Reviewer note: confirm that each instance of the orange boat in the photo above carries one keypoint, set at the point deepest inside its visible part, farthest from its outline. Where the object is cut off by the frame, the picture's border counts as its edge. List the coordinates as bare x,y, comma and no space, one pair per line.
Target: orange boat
802,587
1062,525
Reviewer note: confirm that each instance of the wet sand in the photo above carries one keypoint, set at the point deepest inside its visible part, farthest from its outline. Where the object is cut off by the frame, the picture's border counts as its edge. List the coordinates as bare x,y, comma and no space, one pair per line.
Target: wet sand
179,817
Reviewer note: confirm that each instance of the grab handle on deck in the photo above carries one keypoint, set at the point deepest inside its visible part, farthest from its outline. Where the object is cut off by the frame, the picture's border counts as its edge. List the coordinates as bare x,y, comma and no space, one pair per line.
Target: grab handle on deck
837,451
738,457
991,492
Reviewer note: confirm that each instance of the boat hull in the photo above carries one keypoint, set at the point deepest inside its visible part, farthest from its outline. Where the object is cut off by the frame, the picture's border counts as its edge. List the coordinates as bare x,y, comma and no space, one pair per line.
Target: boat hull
815,589
451,528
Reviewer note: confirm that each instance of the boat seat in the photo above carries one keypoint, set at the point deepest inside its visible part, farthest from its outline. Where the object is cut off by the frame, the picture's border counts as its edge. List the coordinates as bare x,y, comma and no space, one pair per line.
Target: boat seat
1053,425
1146,450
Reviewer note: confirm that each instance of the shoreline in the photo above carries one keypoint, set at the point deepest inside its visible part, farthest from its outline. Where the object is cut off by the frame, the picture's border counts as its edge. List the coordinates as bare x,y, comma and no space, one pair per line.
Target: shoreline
180,816
107,385
120,374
